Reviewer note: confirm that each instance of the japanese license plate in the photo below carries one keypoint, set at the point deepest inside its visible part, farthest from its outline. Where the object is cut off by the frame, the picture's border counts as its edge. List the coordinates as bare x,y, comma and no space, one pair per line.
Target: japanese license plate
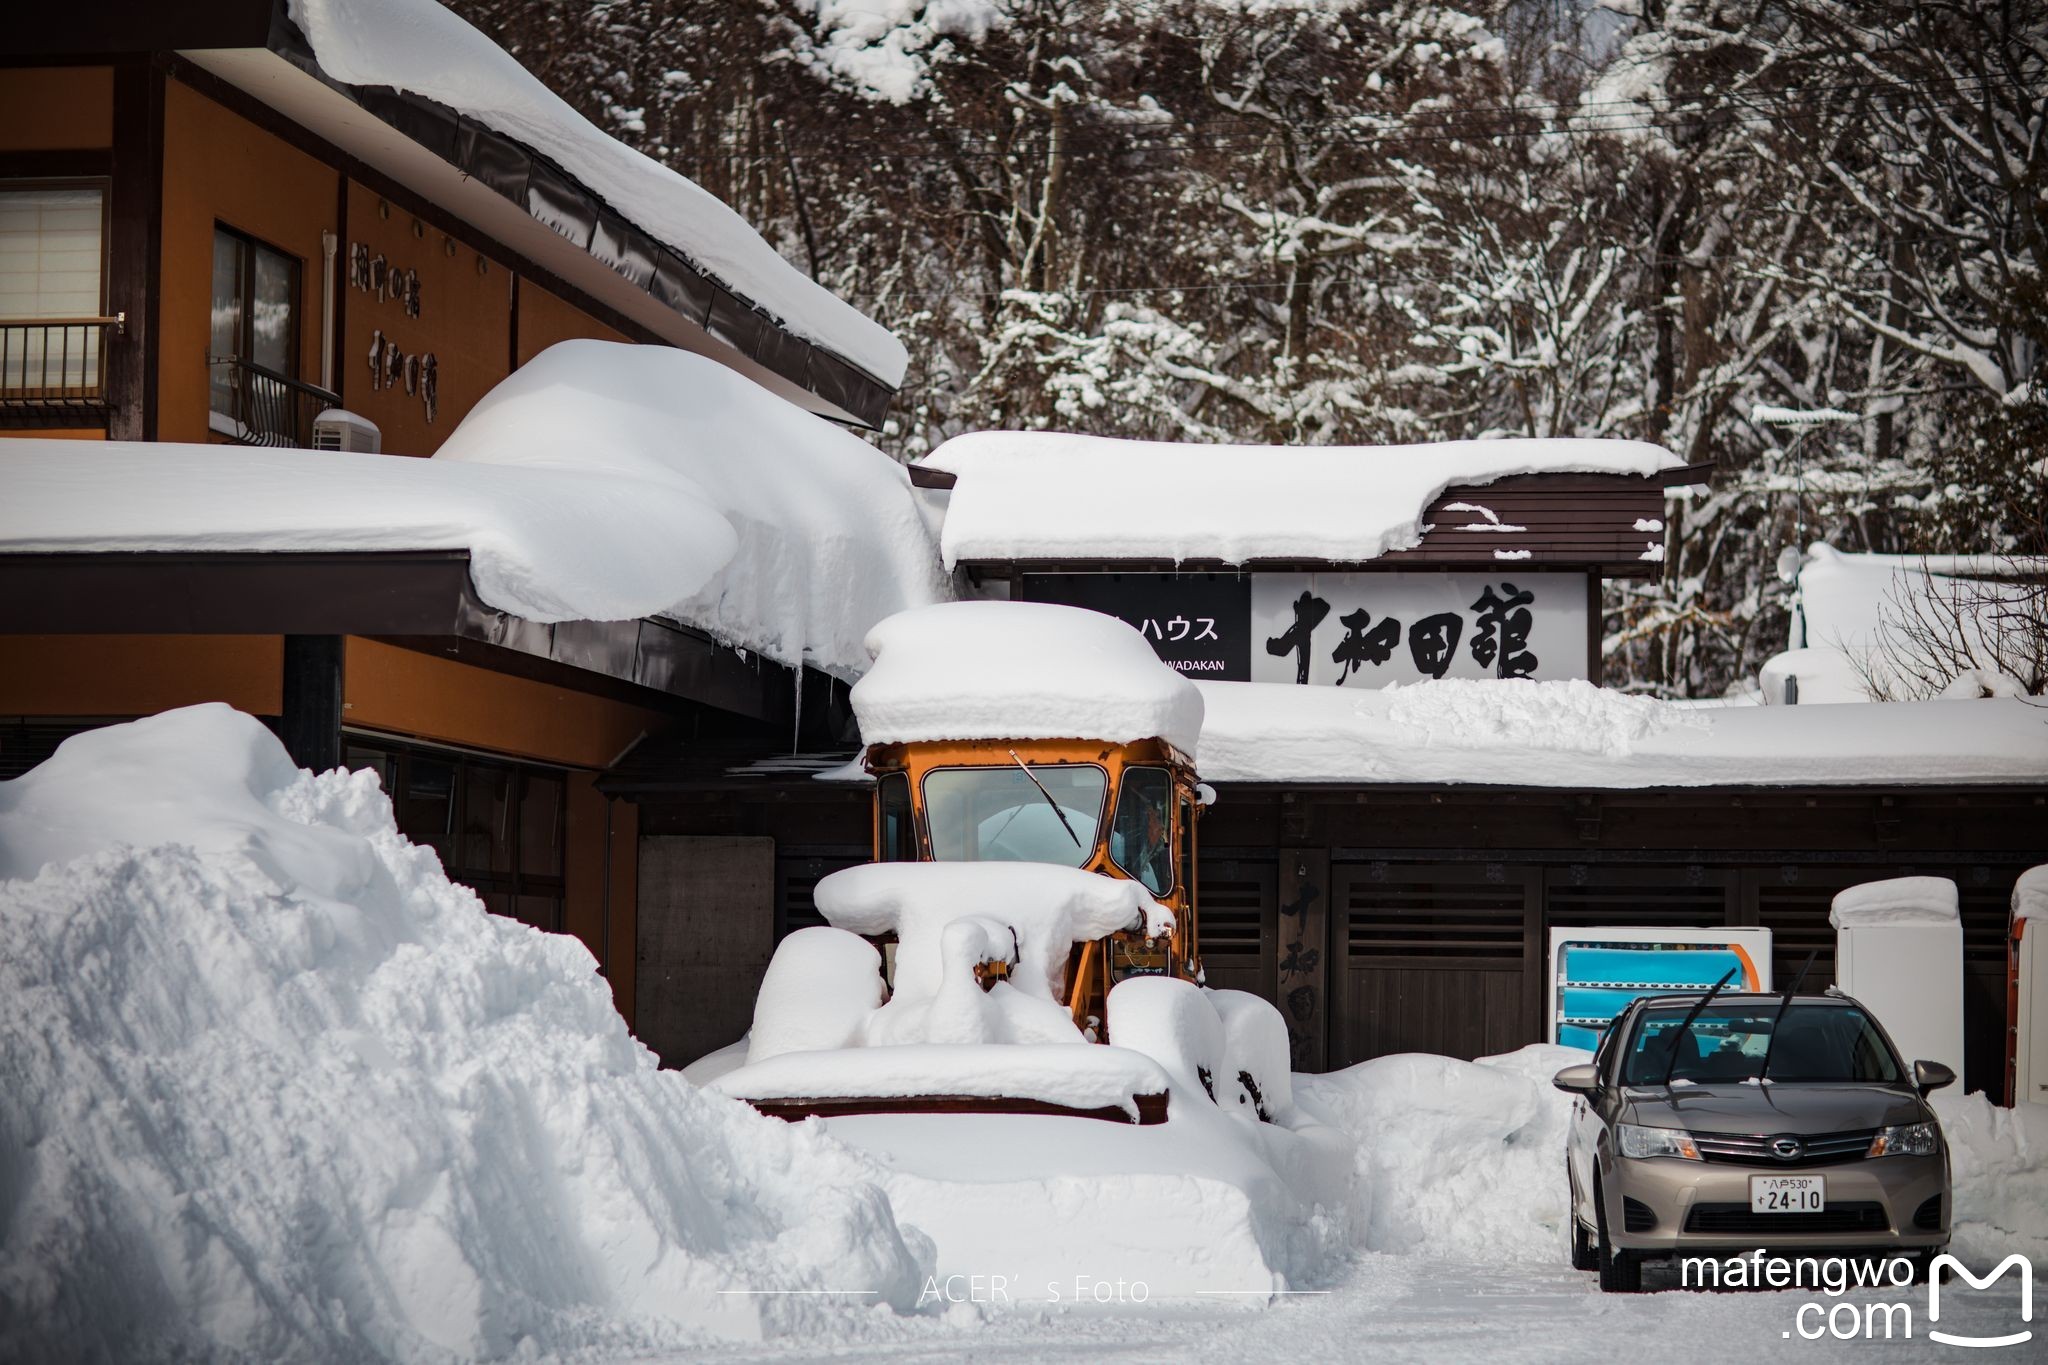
1788,1193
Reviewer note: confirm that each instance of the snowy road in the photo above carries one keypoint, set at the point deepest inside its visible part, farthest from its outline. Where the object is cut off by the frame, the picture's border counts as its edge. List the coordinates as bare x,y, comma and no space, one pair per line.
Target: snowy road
1413,1308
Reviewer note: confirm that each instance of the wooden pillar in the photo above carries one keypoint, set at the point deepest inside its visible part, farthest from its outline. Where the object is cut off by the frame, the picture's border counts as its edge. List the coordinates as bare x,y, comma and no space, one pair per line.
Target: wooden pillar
1304,975
1595,627
135,212
311,725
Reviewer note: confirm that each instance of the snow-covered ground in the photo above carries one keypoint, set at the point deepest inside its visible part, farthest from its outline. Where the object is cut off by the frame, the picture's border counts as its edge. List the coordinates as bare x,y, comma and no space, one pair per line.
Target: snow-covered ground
276,1090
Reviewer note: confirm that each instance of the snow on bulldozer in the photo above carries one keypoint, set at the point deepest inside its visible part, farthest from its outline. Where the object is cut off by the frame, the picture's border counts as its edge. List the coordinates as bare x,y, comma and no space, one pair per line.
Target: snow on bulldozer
1027,940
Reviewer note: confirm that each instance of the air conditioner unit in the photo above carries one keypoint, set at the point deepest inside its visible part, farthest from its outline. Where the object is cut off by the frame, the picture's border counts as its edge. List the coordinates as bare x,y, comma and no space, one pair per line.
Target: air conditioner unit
339,429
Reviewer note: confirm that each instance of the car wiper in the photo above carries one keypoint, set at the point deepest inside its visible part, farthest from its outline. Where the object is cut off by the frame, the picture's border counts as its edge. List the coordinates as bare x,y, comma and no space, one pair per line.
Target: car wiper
1685,1029
1048,799
1763,1073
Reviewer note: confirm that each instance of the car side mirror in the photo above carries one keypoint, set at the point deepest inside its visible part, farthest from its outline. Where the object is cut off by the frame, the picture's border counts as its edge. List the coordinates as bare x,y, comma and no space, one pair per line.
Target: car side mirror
1929,1076
1582,1079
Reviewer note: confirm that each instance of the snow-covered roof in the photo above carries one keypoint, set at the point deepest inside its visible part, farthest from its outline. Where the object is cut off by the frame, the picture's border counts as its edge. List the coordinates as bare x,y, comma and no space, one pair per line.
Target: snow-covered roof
599,482
1895,900
1050,495
420,47
1020,670
1573,734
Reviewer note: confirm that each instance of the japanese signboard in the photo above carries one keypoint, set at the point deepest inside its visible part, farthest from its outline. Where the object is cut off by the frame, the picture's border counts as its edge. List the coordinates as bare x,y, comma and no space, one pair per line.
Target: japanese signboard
1199,623
1370,629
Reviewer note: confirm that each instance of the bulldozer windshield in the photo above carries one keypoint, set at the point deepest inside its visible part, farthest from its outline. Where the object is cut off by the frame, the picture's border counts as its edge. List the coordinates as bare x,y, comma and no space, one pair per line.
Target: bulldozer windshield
1004,815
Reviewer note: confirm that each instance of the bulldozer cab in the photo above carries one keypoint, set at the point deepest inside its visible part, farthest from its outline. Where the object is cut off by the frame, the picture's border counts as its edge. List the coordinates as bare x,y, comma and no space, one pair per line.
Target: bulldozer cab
1120,810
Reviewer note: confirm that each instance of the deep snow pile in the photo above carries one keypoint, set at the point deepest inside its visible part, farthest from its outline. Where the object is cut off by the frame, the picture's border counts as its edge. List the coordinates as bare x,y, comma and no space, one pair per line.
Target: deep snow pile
418,45
277,1090
600,482
1047,495
1464,1159
1020,670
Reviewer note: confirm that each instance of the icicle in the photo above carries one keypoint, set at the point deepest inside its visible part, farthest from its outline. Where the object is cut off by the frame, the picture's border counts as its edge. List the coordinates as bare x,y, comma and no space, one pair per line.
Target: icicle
796,729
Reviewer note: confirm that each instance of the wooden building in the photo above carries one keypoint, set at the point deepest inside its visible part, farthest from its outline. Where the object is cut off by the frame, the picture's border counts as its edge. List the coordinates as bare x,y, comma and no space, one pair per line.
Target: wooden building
206,236
1387,915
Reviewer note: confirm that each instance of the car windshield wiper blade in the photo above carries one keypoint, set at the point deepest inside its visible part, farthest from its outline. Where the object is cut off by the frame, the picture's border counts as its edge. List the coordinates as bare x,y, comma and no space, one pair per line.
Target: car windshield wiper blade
1048,799
1684,1029
1763,1073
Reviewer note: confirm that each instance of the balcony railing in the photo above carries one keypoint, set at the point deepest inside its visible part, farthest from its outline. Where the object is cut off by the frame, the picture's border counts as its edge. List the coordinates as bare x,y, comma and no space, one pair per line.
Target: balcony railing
53,371
260,407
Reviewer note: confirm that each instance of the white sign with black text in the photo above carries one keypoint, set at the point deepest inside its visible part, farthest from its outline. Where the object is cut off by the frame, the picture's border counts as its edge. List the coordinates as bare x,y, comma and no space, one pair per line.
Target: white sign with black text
1370,629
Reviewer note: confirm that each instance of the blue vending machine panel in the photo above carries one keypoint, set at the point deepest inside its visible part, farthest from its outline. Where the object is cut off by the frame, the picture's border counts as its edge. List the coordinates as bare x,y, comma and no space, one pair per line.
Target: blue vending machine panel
1596,981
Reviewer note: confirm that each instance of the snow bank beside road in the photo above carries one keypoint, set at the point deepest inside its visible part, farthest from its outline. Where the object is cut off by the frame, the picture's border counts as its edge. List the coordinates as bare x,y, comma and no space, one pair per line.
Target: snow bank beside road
277,1090
1998,1159
1463,1159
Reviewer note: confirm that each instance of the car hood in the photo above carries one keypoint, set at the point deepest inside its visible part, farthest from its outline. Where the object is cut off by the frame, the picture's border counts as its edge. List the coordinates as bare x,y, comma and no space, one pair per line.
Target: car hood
1774,1108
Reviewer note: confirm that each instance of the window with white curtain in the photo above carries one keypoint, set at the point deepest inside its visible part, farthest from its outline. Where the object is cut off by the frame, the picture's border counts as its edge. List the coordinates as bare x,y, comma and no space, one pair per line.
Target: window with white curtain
52,236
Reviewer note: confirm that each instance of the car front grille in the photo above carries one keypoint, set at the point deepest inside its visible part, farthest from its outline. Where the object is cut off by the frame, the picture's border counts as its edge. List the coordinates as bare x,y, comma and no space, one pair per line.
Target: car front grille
1754,1149
1740,1220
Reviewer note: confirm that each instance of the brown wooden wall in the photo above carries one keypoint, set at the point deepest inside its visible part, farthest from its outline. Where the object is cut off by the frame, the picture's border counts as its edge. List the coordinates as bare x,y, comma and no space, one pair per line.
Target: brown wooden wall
180,160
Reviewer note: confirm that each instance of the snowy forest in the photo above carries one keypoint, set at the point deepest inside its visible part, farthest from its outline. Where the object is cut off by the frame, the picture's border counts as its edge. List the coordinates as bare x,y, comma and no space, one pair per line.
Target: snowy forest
1372,221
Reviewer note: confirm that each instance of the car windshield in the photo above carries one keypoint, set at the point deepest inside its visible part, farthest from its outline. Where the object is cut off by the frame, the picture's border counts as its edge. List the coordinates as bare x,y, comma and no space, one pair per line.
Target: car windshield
1000,815
1730,1042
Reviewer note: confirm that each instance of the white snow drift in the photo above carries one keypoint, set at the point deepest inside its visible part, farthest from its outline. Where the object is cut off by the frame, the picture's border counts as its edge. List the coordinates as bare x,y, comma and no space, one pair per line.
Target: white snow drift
1020,670
276,1090
418,46
599,482
1046,495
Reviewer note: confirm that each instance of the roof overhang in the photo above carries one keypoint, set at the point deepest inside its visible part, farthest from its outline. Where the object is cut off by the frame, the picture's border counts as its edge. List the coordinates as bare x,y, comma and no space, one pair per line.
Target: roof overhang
422,599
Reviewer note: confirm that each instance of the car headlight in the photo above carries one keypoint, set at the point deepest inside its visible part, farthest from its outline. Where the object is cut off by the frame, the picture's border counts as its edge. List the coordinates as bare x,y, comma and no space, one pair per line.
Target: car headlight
1906,1139
1637,1141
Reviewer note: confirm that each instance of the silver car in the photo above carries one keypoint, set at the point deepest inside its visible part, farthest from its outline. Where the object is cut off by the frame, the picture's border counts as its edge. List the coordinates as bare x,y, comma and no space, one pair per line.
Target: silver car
1710,1125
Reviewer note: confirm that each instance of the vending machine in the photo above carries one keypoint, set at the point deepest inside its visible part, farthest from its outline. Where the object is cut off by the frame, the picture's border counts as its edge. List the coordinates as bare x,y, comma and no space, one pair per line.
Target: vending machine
1899,950
1595,973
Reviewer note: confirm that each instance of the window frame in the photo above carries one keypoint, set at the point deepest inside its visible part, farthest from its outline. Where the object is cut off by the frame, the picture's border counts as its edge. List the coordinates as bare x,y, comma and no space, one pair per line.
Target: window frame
105,185
245,283
1172,835
1089,850
394,760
